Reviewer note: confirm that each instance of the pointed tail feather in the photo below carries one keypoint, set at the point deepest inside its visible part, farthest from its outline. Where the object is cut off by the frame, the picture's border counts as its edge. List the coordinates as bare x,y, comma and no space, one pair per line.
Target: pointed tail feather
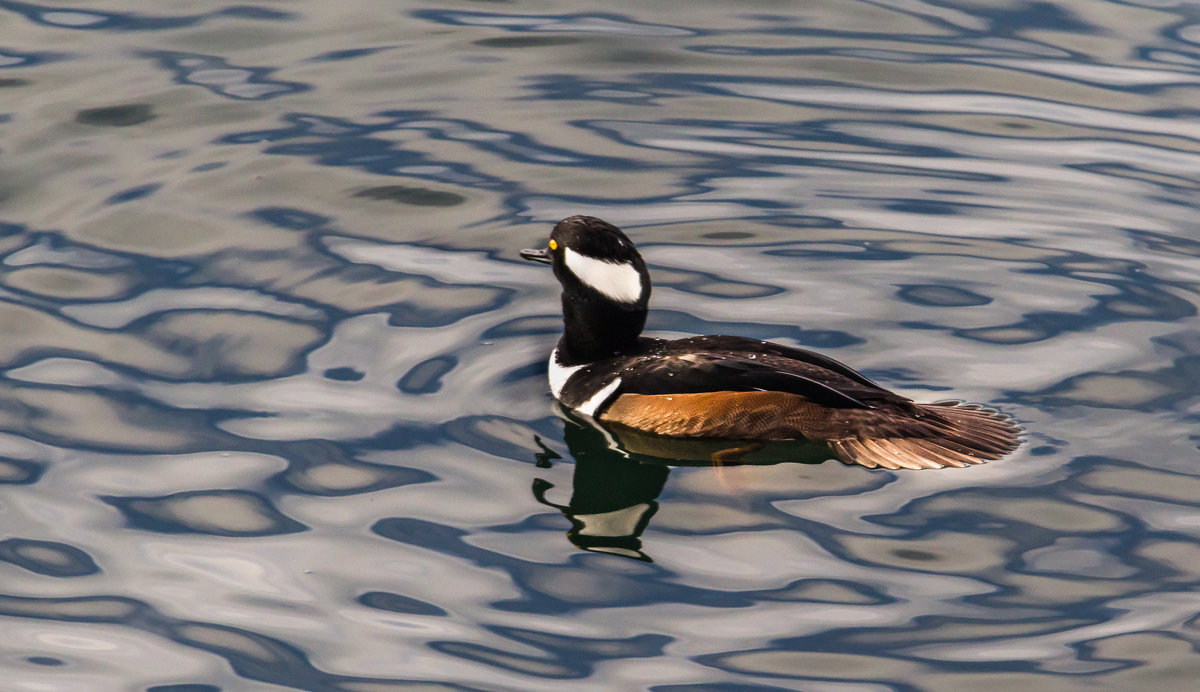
953,434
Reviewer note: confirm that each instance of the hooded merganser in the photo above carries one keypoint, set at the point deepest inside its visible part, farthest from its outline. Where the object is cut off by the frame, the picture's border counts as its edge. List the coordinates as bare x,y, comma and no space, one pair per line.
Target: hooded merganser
732,387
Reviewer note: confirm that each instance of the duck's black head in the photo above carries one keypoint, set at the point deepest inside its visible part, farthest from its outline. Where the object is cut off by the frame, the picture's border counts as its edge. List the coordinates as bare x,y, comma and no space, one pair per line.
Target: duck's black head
606,287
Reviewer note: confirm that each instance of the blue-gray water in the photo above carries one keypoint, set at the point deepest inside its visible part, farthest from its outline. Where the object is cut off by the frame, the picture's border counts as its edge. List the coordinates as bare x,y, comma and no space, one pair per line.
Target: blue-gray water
272,378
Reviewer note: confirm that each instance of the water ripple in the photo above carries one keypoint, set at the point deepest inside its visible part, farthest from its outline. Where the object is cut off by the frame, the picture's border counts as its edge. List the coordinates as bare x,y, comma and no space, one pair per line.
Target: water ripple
572,23
128,21
272,381
219,77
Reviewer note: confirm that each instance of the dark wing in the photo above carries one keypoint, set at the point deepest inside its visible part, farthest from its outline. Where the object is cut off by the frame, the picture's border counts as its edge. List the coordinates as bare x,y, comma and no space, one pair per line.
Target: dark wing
742,343
735,364
708,372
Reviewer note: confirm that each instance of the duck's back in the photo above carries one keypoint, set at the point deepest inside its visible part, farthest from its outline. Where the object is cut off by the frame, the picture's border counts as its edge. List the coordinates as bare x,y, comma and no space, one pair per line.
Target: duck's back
746,389
710,364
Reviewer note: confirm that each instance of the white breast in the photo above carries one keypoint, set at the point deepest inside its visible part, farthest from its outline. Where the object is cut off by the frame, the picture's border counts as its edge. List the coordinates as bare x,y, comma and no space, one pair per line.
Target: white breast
559,374
619,281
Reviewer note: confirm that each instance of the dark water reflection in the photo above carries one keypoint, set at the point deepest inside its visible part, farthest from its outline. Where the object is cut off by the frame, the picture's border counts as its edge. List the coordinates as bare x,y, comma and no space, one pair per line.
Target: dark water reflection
273,410
618,476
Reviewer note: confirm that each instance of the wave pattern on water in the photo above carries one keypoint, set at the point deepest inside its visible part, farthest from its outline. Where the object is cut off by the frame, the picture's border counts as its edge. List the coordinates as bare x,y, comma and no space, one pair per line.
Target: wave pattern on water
273,408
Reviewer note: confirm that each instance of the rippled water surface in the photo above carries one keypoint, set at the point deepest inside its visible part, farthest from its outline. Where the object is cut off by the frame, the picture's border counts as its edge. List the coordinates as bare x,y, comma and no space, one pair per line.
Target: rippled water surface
273,411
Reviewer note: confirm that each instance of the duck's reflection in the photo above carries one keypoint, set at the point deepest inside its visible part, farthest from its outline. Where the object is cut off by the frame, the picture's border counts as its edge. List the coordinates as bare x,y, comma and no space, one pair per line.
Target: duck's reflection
619,474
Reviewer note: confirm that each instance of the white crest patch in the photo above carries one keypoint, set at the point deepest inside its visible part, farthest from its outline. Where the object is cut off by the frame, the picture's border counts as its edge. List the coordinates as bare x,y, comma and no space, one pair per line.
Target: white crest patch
619,281
589,407
559,374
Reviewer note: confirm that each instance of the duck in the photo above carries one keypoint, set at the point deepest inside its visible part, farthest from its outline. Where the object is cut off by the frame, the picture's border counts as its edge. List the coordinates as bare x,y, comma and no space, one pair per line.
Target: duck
732,388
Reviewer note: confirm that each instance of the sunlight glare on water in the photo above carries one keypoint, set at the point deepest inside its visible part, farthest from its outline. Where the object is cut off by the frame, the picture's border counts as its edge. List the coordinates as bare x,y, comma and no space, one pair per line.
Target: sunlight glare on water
274,411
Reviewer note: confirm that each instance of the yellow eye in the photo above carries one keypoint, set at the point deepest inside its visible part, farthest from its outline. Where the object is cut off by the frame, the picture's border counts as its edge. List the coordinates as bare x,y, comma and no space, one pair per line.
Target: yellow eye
553,244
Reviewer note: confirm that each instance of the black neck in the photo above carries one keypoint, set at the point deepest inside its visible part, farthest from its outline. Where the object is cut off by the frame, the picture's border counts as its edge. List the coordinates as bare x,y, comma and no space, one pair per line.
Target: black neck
596,328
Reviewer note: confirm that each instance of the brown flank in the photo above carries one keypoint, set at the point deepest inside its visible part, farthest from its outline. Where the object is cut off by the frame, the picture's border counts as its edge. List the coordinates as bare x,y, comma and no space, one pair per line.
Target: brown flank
894,436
